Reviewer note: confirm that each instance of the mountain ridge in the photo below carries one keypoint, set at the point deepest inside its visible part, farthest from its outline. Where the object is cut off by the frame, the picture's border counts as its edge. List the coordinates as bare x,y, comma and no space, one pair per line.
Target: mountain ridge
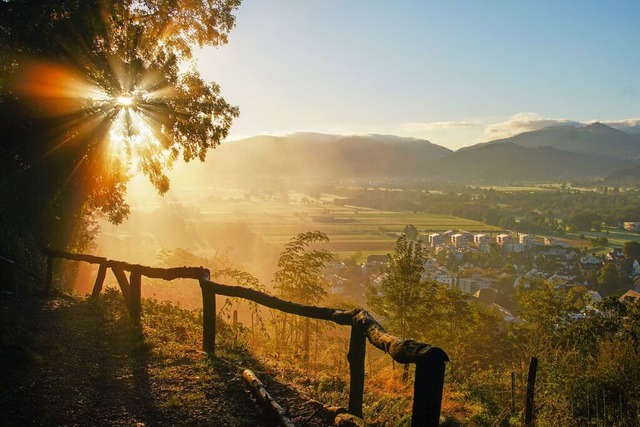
550,154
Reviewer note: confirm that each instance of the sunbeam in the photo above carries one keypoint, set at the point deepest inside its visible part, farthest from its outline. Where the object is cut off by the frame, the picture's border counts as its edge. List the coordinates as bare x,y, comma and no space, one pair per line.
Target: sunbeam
134,117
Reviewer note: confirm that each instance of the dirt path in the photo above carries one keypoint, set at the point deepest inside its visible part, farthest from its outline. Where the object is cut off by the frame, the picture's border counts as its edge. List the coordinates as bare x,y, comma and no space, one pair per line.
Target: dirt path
65,361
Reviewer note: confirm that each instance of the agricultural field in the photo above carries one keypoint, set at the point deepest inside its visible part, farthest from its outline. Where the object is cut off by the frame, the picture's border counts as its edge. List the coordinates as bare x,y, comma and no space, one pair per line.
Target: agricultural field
615,239
278,216
351,229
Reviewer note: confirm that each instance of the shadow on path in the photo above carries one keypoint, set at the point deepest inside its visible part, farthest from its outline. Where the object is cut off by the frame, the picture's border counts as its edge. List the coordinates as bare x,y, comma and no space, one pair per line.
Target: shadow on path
67,361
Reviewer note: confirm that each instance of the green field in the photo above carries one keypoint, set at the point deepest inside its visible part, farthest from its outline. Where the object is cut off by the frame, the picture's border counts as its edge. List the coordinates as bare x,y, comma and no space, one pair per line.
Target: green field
616,239
350,228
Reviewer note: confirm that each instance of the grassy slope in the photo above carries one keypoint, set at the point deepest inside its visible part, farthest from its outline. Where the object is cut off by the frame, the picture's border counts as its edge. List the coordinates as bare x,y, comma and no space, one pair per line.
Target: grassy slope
67,361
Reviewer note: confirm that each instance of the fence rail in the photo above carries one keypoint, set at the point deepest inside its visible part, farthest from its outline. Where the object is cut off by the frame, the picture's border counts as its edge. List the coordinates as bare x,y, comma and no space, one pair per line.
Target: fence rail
429,360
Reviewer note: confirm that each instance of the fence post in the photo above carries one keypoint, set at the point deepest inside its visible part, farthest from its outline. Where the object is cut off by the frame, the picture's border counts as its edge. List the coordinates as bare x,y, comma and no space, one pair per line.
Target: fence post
97,287
47,285
123,282
135,294
356,358
208,317
427,388
531,385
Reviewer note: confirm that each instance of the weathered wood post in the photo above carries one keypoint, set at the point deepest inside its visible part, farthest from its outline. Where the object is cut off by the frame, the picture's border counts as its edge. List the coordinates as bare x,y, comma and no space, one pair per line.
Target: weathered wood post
208,317
123,282
427,388
135,294
531,385
47,285
356,358
102,273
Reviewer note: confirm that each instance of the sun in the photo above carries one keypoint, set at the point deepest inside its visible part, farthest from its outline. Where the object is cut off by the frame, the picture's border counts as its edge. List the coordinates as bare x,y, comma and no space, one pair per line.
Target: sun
124,101
130,116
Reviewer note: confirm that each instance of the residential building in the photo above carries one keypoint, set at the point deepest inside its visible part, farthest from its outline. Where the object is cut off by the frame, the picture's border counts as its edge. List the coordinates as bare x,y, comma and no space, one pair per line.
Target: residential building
436,239
480,239
632,226
526,239
501,239
470,285
459,240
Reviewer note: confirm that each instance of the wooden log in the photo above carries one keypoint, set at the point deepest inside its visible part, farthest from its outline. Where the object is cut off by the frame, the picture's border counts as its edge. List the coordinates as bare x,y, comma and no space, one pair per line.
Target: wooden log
263,396
338,316
97,287
123,282
348,420
402,351
135,295
196,273
531,385
208,317
92,259
356,358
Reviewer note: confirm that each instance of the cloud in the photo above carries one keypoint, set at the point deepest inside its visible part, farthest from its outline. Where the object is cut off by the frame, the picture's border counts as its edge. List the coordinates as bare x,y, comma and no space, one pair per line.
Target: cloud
630,126
431,126
523,122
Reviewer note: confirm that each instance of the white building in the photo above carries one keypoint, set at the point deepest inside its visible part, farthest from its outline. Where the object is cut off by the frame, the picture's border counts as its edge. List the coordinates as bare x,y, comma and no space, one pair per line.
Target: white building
471,285
501,239
526,239
458,240
436,239
631,226
480,239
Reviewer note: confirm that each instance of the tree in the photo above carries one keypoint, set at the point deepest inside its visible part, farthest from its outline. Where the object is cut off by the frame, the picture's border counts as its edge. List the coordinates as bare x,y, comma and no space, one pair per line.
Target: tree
298,279
91,93
401,292
609,279
631,250
411,232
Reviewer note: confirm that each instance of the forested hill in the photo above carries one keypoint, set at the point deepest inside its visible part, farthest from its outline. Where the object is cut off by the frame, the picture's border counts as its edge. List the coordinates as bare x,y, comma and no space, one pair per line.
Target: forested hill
560,153
327,156
596,139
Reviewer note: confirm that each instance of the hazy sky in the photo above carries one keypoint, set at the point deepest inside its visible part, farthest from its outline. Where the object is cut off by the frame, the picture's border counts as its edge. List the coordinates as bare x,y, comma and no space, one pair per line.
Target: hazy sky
452,72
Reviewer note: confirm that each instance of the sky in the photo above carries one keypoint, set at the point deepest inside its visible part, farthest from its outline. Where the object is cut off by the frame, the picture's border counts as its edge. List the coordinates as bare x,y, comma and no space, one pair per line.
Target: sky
453,72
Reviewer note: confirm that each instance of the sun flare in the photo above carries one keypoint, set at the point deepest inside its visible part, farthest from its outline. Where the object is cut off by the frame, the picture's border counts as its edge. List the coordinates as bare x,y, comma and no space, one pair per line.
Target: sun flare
124,101
130,118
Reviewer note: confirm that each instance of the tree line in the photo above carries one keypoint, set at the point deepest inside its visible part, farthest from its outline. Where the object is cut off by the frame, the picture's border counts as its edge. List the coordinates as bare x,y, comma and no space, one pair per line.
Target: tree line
548,212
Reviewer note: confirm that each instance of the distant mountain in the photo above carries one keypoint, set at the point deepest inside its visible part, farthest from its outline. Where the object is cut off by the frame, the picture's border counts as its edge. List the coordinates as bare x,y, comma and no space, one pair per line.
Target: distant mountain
624,175
506,161
326,156
548,155
595,139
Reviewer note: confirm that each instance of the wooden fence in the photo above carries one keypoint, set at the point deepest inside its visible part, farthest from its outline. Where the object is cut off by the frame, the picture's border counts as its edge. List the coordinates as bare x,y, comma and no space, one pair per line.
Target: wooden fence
429,360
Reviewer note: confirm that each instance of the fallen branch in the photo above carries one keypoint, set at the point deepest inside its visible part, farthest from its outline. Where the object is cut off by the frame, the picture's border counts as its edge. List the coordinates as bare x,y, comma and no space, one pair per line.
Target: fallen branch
263,396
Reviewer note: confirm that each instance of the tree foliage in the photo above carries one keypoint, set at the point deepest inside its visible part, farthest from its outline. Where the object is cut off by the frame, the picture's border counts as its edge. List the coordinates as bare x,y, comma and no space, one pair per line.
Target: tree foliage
90,93
401,292
298,279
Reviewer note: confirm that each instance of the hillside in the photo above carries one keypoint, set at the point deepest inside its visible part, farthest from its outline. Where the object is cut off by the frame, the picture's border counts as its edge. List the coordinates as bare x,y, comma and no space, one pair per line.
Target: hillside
595,139
309,155
551,154
70,361
507,161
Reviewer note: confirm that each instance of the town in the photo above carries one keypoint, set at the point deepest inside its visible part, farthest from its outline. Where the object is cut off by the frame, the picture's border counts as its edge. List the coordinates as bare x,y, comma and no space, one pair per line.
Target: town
490,267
